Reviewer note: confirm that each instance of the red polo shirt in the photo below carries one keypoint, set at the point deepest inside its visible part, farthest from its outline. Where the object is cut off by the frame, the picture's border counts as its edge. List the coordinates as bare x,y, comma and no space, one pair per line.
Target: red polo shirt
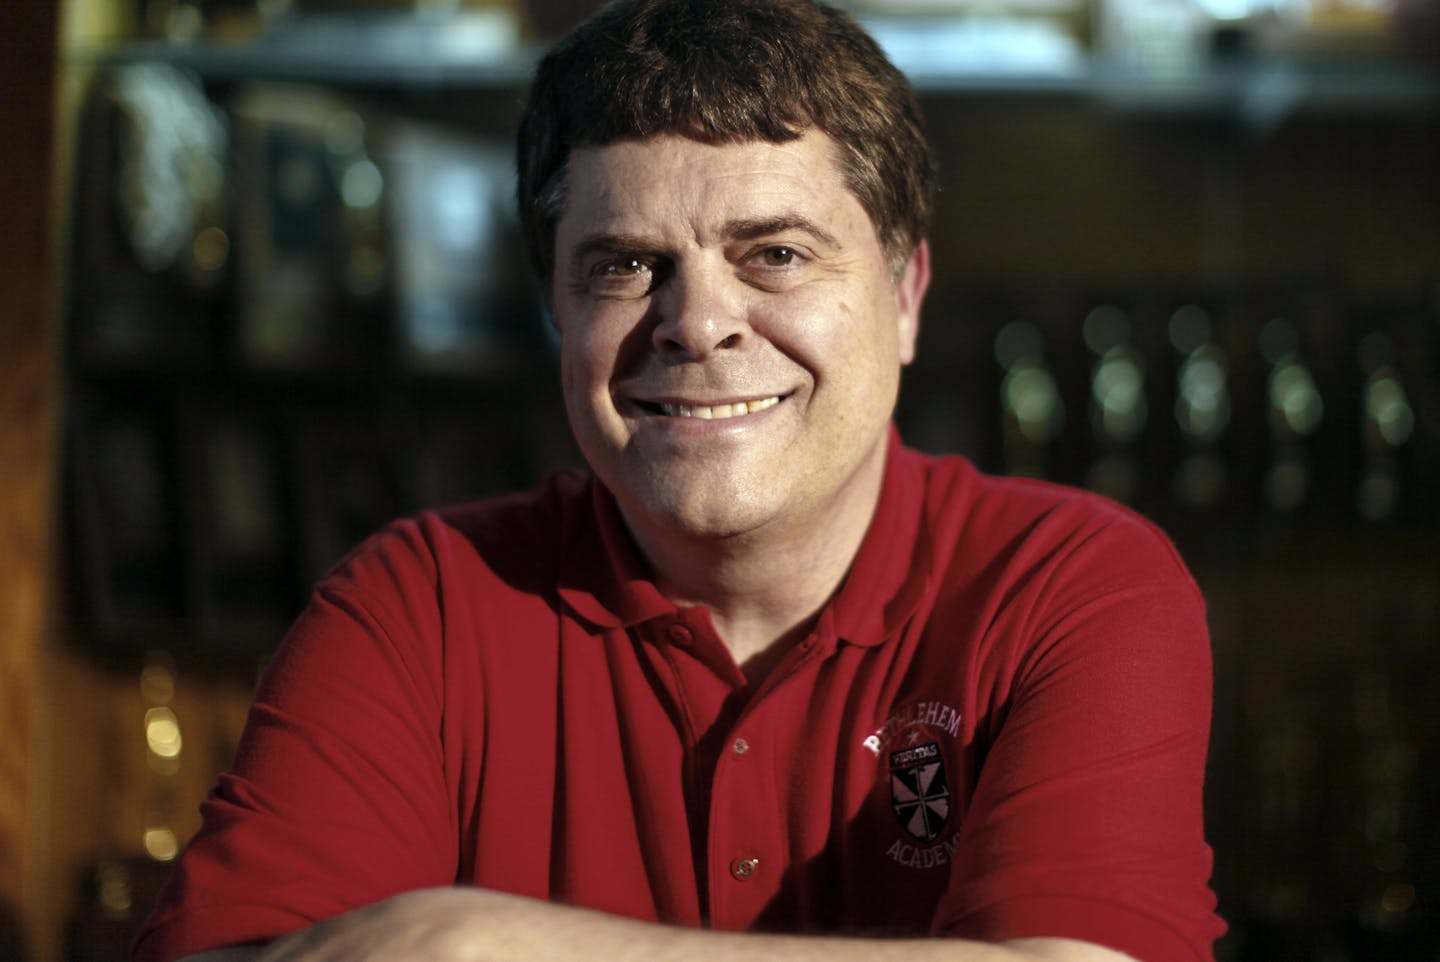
997,729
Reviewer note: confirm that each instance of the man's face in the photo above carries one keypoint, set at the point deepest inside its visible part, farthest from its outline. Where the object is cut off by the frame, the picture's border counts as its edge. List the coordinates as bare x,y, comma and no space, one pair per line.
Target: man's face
731,332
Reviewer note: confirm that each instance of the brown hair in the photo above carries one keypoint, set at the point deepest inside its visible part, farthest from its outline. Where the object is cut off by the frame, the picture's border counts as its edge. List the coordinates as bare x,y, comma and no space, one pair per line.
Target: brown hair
727,71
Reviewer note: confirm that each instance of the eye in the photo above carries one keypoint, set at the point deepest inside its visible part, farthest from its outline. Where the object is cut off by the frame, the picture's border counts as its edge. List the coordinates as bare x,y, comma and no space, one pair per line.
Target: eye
623,266
777,257
618,275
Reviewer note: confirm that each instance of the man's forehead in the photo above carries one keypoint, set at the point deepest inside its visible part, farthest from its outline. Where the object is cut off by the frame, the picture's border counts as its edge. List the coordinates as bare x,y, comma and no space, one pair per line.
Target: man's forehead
678,141
669,176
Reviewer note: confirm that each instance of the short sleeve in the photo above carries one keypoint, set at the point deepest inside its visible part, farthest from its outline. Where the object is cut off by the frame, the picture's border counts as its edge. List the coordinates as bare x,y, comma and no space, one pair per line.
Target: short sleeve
1087,820
336,798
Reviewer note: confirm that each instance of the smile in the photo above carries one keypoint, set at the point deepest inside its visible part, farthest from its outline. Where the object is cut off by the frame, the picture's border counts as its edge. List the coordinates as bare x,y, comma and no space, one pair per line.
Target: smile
716,412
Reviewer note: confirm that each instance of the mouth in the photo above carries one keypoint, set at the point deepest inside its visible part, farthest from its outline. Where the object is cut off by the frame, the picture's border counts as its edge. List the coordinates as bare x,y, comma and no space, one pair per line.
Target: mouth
710,412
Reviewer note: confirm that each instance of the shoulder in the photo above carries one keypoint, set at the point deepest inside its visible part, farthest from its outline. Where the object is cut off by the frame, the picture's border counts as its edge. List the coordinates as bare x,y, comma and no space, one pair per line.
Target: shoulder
428,586
515,538
1016,528
1056,590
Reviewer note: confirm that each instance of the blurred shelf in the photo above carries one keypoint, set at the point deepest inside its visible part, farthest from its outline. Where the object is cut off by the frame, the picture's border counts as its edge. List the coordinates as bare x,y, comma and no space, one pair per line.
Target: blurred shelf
458,52
1263,92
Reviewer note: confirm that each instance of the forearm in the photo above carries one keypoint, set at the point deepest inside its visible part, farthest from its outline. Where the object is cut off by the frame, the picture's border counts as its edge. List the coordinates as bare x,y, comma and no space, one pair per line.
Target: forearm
472,925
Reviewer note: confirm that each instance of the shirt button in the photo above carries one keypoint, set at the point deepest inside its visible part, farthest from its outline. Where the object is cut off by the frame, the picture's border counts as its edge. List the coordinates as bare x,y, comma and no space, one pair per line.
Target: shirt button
743,868
680,634
740,746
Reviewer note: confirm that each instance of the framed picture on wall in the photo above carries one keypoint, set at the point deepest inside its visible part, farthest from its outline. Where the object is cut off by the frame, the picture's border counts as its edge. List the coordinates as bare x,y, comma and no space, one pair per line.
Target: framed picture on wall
463,299
151,236
241,551
125,547
347,487
313,268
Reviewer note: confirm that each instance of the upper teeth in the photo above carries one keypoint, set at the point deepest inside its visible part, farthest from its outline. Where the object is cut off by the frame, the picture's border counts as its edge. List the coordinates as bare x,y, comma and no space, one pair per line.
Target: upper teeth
717,411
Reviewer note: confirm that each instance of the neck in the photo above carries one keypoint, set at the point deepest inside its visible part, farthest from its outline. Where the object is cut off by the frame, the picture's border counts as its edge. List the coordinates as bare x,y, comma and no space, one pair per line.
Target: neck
765,588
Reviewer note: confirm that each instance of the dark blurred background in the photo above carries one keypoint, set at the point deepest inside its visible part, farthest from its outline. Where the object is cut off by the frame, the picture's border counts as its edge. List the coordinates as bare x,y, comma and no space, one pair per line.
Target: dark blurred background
262,292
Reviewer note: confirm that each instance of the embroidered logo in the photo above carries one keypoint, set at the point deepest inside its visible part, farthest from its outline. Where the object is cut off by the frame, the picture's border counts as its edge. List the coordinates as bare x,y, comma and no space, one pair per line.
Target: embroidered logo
919,792
910,721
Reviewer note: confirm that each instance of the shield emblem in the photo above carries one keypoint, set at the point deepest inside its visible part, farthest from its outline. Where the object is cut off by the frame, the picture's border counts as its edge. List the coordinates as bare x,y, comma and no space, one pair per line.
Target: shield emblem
919,794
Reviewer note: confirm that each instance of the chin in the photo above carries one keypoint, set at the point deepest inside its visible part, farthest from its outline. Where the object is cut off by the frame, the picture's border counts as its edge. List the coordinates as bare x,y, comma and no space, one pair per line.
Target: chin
714,508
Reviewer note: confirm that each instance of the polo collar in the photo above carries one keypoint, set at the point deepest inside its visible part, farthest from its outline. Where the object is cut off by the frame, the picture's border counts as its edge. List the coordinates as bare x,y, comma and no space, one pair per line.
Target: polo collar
892,568
605,581
603,577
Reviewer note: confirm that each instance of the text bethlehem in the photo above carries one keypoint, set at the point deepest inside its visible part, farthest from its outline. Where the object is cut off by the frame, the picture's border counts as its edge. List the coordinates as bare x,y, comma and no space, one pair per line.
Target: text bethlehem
932,713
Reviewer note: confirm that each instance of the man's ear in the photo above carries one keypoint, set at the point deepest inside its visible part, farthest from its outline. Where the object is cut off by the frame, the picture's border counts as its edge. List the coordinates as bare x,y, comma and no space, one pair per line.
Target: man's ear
909,294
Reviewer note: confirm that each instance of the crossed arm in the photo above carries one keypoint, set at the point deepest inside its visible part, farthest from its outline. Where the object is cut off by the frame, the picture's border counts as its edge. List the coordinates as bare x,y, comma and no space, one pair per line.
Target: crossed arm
475,925
1144,716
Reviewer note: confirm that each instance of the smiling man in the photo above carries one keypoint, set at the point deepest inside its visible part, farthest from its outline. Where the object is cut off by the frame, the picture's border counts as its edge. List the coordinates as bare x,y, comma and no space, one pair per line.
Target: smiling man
731,341
765,681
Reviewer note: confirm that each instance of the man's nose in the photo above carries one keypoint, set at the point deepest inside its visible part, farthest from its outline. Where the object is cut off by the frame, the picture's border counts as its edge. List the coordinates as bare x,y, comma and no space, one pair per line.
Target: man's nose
699,313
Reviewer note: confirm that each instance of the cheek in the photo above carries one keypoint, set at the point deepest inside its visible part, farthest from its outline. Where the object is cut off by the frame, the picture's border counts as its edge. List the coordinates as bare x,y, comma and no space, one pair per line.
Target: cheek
572,364
854,337
599,339
589,355
578,379
583,352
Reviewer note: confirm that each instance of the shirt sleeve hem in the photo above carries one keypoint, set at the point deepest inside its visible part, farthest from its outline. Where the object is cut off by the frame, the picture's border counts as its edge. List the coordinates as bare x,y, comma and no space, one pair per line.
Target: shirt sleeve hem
1140,936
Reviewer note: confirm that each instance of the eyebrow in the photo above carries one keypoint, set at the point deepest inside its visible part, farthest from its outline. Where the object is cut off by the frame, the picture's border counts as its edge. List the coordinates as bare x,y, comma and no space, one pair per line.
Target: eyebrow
744,228
607,242
754,227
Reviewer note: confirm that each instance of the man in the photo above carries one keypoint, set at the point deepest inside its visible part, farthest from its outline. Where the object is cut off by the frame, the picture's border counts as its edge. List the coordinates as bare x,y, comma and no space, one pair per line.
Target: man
767,683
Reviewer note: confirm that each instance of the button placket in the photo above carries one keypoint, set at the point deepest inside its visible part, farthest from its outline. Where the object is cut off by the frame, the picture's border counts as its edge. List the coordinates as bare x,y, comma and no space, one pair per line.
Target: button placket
744,841
748,828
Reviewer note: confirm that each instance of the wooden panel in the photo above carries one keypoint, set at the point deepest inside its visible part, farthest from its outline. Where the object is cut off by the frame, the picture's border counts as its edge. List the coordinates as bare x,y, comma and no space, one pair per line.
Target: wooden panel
107,790
27,378
1064,192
